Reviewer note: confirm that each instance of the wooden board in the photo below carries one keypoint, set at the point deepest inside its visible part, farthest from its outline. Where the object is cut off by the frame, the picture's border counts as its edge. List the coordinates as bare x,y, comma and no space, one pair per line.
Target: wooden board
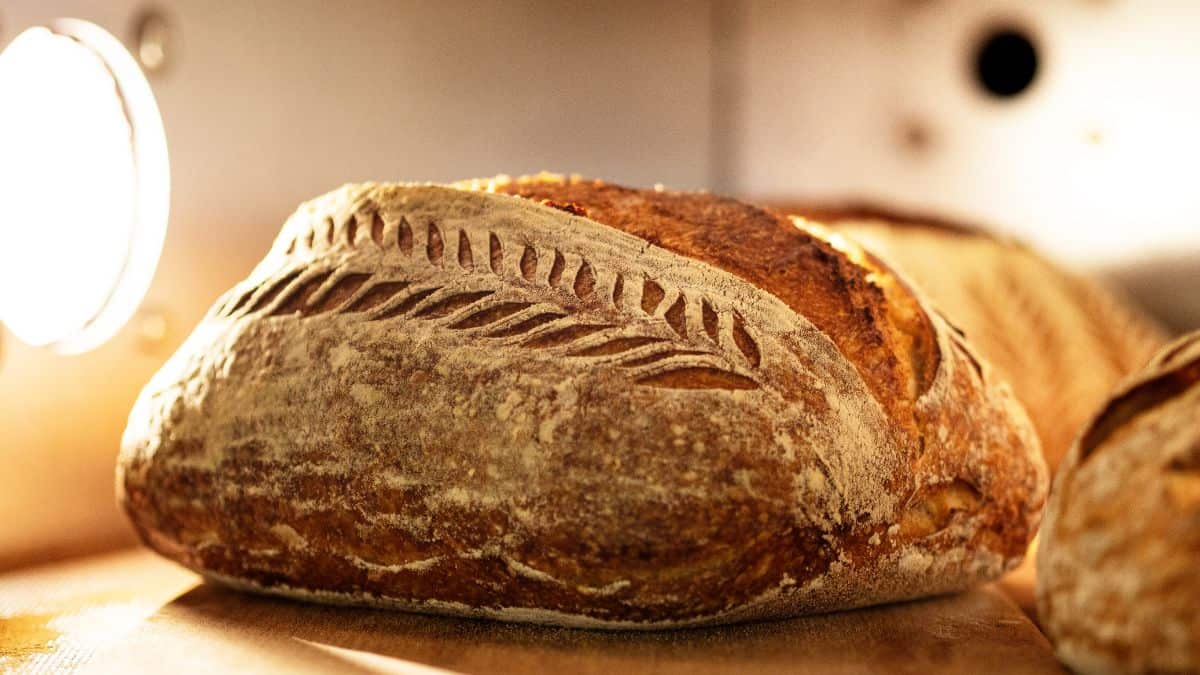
134,613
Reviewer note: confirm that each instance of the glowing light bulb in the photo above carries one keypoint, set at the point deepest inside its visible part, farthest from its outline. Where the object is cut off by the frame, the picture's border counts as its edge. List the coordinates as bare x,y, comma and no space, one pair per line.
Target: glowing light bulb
84,186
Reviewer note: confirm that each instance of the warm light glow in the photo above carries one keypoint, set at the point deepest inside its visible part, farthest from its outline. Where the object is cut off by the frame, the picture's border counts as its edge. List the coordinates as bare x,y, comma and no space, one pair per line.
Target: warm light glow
835,239
367,661
96,627
84,186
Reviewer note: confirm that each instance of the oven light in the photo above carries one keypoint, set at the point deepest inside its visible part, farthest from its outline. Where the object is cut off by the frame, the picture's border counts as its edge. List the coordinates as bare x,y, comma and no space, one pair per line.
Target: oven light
84,186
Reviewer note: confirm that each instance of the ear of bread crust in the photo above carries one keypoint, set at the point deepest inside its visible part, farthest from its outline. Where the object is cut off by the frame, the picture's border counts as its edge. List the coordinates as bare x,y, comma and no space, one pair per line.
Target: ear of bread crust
1034,321
1138,400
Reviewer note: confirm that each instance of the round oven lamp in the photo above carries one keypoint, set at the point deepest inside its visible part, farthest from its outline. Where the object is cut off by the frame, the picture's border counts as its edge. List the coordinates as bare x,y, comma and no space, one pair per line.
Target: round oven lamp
84,186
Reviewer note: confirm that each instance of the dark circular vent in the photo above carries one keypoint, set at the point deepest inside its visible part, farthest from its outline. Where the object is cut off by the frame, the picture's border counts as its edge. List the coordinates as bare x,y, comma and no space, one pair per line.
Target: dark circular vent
1006,62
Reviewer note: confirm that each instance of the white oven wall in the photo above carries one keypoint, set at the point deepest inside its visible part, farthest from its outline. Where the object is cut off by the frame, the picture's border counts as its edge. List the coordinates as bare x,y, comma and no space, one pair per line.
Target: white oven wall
1093,164
268,103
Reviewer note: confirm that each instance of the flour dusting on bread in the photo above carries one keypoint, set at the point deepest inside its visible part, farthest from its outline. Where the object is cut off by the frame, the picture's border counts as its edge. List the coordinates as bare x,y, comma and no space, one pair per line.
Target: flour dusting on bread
449,399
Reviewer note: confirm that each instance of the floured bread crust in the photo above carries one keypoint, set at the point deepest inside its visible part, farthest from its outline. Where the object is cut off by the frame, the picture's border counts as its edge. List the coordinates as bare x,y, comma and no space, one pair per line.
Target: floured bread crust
1036,322
1118,589
449,399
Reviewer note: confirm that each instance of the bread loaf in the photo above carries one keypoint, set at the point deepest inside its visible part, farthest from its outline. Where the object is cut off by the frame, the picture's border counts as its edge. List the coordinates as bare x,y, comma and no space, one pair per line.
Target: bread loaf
1118,589
1063,341
569,402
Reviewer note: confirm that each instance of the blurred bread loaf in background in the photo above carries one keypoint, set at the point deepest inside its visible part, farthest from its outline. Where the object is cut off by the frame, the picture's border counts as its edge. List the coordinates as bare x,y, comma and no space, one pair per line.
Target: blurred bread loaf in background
1118,578
1062,340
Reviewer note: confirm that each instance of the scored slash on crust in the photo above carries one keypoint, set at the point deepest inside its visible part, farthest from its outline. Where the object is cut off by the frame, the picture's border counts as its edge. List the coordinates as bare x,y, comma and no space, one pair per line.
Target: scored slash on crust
713,361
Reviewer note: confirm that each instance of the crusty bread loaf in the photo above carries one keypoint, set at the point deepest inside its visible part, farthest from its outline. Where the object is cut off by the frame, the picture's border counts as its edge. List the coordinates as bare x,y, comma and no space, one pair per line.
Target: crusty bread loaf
577,403
1063,341
1118,578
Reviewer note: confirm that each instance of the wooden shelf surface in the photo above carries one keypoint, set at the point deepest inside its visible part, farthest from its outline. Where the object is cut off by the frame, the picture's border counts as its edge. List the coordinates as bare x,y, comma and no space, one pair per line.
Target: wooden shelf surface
132,612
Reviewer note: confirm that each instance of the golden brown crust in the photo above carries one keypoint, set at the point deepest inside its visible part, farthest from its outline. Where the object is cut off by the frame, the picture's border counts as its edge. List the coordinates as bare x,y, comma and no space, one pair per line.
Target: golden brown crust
454,401
1117,584
1035,322
764,248
1139,400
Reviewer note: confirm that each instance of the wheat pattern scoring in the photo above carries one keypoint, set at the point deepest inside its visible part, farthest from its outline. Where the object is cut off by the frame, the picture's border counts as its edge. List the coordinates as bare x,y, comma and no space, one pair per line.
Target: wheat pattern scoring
713,354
